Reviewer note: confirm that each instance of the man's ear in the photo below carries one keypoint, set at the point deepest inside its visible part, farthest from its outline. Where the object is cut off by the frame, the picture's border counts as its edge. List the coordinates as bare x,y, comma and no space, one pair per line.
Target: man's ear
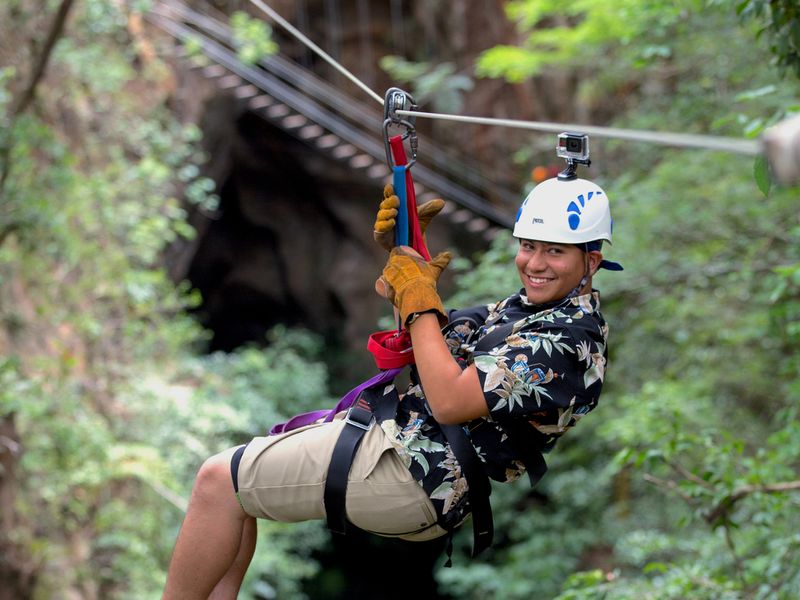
595,256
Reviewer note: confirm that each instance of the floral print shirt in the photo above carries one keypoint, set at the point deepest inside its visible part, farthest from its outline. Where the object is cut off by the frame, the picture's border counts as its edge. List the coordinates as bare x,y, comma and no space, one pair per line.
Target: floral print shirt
541,363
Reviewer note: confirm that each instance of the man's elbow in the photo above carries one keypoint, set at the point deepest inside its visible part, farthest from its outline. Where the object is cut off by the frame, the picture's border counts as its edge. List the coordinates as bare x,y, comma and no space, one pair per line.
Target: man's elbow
446,414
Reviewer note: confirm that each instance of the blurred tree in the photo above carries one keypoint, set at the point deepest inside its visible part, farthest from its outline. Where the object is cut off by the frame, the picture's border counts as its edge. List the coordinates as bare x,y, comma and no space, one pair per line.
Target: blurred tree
105,411
438,85
701,395
781,24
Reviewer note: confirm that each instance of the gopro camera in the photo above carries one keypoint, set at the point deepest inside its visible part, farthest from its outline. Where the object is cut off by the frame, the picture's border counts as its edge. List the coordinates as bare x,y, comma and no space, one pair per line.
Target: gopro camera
573,146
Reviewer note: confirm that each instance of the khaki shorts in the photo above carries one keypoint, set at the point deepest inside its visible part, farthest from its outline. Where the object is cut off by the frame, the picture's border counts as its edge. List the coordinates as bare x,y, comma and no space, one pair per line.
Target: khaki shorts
282,478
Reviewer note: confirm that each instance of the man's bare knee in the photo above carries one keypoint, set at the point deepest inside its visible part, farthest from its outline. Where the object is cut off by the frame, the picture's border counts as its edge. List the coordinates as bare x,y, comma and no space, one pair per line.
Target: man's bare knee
214,476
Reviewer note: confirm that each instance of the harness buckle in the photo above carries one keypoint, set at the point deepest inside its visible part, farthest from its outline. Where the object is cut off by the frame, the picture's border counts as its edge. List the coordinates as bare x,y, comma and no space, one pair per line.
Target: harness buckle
360,417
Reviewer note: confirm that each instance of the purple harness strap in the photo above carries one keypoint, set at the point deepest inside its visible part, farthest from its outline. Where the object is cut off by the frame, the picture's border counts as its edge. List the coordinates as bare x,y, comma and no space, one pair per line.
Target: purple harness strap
346,402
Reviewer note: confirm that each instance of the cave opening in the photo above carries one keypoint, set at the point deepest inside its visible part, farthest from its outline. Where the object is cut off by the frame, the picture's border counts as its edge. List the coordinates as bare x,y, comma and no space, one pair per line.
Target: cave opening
291,243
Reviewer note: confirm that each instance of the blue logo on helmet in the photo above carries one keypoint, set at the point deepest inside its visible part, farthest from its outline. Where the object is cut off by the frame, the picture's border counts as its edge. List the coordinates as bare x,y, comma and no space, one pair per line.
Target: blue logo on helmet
519,210
574,211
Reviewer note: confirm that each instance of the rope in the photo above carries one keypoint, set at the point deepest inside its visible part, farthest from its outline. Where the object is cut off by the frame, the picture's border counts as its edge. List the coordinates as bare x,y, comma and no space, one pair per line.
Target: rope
664,138
324,55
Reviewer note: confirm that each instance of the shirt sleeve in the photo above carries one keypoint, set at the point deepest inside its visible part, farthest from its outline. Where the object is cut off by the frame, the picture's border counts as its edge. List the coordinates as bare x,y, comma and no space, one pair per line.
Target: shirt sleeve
461,329
549,376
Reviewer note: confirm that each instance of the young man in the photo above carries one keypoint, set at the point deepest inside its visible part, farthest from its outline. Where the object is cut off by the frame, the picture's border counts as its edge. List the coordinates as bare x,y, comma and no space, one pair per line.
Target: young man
500,383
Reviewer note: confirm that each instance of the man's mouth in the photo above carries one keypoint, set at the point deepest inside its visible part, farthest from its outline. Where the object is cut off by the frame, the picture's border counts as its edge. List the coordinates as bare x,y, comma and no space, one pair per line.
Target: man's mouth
539,280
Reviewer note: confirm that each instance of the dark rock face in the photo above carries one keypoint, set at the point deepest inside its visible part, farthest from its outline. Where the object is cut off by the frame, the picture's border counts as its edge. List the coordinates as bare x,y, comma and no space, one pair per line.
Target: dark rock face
292,243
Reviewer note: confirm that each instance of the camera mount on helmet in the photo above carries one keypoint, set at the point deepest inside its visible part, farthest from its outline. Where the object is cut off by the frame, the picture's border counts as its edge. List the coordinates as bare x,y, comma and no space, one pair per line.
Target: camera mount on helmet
574,148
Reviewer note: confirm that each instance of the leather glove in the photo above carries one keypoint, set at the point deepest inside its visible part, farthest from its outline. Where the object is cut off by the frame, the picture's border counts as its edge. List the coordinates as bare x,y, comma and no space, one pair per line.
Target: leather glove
383,230
410,282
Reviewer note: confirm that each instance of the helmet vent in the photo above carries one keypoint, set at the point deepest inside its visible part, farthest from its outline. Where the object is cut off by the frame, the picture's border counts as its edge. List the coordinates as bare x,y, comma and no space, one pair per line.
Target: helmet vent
574,211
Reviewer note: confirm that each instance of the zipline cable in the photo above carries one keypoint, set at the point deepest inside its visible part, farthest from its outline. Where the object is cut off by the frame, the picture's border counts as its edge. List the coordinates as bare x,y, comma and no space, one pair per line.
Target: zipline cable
739,145
682,140
324,55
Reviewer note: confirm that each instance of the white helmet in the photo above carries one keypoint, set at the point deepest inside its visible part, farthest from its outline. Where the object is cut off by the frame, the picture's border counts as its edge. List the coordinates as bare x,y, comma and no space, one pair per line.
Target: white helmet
565,212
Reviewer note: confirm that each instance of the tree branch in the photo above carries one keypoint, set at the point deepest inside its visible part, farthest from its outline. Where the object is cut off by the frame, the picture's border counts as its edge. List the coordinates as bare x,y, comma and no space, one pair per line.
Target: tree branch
28,93
687,474
670,485
39,68
167,494
726,504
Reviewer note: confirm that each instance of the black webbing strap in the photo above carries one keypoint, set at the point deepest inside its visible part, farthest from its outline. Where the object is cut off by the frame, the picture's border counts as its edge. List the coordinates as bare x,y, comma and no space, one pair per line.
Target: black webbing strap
520,435
236,458
359,419
478,484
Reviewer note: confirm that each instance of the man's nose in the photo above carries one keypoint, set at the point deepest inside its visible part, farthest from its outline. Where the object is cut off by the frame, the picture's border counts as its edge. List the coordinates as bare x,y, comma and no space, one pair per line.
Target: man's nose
536,261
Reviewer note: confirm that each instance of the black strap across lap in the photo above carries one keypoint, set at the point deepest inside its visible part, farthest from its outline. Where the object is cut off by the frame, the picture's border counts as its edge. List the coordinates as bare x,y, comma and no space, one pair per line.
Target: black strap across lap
358,421
372,406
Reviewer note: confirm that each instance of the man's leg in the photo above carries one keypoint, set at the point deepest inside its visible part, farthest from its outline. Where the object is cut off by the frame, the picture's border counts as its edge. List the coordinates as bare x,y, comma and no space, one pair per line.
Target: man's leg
211,537
228,587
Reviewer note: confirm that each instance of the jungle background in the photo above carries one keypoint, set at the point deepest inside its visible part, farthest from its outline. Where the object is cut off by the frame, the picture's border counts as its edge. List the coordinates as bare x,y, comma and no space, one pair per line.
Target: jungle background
150,315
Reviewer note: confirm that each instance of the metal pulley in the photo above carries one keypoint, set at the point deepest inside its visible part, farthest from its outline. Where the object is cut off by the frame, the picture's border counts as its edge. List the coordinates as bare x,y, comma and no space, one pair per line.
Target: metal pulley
394,100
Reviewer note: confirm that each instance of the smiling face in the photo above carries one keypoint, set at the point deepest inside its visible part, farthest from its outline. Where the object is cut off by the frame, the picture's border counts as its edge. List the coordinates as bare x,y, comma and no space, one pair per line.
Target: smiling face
550,271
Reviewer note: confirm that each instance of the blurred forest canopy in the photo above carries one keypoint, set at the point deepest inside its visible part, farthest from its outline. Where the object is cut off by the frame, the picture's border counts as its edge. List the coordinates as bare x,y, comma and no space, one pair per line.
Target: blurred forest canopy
683,484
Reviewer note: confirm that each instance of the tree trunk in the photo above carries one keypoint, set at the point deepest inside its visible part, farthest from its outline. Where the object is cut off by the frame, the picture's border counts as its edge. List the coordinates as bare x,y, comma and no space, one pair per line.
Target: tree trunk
16,572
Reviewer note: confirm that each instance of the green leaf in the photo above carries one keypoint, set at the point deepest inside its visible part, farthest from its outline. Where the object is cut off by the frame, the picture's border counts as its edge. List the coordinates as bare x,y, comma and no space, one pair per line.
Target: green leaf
762,174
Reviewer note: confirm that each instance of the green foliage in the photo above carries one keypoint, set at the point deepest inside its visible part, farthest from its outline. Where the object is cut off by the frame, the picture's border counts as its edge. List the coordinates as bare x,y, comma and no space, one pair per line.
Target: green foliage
114,412
539,539
692,415
253,38
438,84
781,24
690,461
211,403
559,34
761,175
488,279
266,386
670,486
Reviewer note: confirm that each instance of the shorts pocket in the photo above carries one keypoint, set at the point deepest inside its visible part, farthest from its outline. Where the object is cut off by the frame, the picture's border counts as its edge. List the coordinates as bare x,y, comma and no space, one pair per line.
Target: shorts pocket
388,501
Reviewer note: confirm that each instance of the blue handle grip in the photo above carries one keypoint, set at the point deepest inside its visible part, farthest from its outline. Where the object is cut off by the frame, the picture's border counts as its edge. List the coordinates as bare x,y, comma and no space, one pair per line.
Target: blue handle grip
401,224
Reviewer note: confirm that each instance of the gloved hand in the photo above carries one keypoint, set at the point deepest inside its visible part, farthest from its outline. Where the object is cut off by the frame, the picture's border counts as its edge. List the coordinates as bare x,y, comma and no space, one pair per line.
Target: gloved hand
387,215
410,282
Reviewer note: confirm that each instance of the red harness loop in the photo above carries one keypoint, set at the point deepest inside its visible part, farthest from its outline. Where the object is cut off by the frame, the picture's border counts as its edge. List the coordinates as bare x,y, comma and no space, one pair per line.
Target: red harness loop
391,349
